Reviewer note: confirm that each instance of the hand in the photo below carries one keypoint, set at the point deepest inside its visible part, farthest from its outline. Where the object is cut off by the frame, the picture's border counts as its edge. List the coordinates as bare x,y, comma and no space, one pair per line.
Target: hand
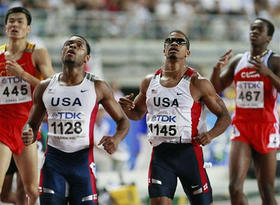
203,138
27,135
126,103
224,59
14,68
259,66
109,143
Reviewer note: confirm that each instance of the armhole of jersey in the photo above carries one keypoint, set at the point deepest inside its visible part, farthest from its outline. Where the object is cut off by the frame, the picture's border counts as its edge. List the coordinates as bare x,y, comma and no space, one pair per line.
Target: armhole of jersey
30,47
90,76
3,48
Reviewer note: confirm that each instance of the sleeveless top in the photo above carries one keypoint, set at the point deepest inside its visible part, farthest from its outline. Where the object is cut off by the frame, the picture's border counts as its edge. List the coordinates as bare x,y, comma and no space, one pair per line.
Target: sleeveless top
15,93
255,94
71,113
173,116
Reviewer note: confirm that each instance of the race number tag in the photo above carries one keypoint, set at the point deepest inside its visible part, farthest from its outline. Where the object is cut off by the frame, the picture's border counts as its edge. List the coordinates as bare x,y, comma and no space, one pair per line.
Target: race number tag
250,94
163,126
14,90
66,125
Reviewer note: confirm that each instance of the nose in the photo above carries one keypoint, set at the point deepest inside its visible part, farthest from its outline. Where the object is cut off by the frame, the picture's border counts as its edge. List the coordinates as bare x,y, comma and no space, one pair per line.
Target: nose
174,42
72,45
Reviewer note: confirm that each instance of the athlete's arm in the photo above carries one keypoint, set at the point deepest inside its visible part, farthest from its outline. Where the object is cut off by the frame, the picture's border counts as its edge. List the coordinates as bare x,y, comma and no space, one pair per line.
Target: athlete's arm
42,62
202,90
36,115
135,110
221,81
106,98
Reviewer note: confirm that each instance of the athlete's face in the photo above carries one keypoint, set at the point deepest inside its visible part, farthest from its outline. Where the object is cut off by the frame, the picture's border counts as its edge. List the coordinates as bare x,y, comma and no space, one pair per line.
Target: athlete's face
258,33
175,46
16,26
75,51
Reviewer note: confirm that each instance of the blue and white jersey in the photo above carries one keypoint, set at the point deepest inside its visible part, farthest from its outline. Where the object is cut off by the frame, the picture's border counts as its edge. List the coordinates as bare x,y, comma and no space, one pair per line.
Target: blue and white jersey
71,113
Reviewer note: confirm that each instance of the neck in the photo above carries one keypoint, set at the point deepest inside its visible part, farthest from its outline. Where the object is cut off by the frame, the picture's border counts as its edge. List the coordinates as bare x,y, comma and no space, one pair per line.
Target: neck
258,51
173,69
16,46
72,76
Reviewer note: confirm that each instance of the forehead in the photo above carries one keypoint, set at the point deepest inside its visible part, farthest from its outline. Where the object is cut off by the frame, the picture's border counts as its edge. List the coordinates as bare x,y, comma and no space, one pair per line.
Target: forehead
76,39
18,15
259,23
176,35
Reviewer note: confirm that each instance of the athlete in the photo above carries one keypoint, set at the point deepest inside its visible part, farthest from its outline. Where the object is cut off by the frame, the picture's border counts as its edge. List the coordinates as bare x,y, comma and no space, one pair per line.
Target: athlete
256,75
71,100
21,63
174,98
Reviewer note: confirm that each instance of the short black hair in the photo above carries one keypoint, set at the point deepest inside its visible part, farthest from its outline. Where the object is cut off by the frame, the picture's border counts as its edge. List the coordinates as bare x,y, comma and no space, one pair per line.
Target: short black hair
181,32
269,25
87,44
19,10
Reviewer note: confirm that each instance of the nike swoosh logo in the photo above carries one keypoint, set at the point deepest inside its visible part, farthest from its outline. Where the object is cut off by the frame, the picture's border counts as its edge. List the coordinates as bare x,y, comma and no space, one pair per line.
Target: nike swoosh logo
195,186
82,91
179,93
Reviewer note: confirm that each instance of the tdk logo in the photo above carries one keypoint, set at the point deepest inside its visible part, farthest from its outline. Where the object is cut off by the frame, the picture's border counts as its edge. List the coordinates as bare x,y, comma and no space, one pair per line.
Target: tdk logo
67,115
164,118
12,80
250,85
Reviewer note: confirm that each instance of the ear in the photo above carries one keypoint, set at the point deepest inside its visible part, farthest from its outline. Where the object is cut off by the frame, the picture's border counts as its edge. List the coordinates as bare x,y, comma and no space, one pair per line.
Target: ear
87,58
269,38
6,28
28,28
188,53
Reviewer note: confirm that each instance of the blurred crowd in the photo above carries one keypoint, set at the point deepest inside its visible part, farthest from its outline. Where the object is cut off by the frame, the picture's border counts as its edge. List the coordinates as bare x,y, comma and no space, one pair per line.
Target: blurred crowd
148,19
158,7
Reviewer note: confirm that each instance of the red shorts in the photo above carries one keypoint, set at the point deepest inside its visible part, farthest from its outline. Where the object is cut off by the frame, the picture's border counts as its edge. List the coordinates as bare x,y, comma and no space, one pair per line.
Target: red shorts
263,137
10,134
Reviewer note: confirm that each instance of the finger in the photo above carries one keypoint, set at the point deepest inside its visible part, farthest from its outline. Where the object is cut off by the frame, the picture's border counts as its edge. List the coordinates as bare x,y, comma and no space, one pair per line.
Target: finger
130,95
102,141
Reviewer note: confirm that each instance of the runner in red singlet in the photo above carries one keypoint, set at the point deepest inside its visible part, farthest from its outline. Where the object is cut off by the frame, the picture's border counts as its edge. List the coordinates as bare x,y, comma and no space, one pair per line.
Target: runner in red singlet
21,64
256,75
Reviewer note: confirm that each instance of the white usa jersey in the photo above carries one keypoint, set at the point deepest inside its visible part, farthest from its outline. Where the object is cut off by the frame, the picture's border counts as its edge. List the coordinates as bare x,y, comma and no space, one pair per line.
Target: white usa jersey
71,113
173,116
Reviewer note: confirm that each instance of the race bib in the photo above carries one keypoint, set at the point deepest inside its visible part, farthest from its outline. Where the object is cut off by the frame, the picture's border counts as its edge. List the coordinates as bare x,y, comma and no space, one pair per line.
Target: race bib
250,94
164,126
66,126
14,90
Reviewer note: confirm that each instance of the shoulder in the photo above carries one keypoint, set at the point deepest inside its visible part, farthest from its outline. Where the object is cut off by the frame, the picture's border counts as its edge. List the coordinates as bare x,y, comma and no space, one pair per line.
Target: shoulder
202,84
39,51
237,58
274,62
100,84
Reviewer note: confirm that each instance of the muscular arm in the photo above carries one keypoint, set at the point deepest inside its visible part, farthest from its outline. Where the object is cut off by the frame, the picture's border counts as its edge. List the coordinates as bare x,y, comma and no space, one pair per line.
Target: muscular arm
135,110
204,91
106,98
37,112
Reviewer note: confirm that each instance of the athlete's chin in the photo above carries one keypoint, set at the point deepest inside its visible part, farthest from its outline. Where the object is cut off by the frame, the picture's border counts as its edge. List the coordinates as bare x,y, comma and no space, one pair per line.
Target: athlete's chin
69,61
173,57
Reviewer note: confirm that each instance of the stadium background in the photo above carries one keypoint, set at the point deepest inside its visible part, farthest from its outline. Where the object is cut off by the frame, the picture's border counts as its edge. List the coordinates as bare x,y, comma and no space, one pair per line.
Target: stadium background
126,37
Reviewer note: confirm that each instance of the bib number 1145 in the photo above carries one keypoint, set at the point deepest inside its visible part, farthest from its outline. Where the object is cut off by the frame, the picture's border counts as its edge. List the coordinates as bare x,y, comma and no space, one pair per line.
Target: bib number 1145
163,130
